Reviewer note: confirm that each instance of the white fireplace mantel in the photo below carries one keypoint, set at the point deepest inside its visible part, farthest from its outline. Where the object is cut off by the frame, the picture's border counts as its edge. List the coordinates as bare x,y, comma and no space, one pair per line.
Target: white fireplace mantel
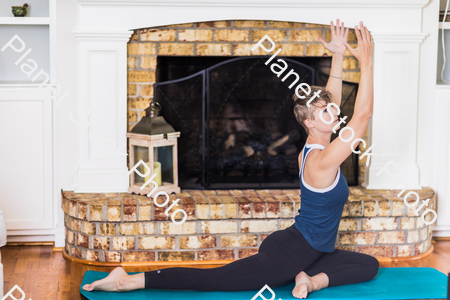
260,4
104,28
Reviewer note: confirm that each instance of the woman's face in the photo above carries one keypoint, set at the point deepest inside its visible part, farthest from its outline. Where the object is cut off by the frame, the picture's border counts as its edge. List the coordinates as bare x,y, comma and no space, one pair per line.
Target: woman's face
319,124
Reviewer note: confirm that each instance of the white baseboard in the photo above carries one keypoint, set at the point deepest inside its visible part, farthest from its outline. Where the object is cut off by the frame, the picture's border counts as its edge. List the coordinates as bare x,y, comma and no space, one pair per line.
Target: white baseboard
60,237
441,231
30,238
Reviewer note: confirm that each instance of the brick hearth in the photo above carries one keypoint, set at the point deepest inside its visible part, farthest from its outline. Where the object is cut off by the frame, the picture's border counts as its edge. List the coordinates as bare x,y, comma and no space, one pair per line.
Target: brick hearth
231,224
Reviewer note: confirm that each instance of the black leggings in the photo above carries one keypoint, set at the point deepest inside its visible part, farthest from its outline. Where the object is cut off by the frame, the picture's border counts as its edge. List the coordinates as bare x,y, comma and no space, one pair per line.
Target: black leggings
282,255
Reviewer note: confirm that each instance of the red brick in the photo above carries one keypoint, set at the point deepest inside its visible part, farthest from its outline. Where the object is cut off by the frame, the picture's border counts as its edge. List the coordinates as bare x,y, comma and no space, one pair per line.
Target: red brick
92,255
247,252
82,240
357,238
369,209
264,192
196,193
259,208
263,236
287,209
108,229
76,224
250,193
404,251
277,192
292,192
241,240
76,252
129,213
216,207
197,242
123,243
223,226
138,256
236,192
377,251
379,224
244,207
96,212
176,256
82,210
384,208
345,210
412,236
89,228
188,205
259,226
101,243
273,209
418,248
391,237
223,193
159,242
159,211
73,208
347,248
286,223
356,209
112,256
214,24
218,254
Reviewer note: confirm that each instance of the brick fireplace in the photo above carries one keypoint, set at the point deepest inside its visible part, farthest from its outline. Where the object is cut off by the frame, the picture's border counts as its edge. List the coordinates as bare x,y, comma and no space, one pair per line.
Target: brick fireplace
151,58
105,224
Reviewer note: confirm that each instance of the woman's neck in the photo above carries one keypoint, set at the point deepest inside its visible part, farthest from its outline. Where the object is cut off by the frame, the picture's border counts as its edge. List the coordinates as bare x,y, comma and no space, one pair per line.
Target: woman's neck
321,141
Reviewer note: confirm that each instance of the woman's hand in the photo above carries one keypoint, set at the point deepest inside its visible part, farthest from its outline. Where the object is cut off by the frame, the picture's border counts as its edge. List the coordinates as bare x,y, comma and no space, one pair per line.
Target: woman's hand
364,51
338,38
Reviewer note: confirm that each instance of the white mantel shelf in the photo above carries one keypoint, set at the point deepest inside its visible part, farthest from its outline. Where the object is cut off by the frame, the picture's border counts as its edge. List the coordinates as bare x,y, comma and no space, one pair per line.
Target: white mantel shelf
263,3
24,21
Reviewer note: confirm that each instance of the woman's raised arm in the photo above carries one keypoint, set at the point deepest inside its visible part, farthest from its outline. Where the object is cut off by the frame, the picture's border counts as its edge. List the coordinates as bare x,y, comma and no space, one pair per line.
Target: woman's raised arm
334,154
336,46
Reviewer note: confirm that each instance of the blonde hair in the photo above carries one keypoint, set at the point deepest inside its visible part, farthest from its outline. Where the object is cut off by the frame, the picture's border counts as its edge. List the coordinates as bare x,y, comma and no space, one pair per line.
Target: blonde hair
302,111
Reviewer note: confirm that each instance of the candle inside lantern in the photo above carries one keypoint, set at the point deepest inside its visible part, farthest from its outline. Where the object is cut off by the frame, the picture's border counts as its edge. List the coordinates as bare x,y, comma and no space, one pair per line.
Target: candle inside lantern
157,171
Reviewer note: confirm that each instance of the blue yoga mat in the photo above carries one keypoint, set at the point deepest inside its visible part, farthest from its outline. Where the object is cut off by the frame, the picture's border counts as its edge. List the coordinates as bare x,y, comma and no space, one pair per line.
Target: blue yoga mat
390,283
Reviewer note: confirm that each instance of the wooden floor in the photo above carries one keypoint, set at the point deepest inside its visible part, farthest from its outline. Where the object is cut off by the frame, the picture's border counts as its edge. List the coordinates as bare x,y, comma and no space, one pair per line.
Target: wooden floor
43,274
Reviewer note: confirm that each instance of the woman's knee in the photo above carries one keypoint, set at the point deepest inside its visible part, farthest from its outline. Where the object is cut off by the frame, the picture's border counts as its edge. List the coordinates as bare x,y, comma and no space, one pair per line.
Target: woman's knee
374,266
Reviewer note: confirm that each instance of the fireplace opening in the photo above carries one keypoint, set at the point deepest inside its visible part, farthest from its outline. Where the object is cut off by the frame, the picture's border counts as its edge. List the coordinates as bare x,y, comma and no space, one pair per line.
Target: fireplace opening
236,119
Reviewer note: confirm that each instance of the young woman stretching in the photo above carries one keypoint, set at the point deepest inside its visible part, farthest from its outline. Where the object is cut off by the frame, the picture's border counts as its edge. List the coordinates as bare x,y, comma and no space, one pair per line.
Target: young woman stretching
305,252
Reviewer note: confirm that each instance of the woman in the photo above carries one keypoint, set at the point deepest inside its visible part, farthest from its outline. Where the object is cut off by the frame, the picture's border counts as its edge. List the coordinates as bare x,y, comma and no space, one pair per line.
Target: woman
305,252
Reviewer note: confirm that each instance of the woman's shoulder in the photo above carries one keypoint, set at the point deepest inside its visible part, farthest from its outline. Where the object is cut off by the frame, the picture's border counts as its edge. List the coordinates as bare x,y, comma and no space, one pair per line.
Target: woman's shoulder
300,156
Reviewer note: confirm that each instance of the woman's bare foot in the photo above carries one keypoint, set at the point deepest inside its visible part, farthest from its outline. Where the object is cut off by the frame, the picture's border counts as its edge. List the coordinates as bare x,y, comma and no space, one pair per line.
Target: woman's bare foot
305,284
116,281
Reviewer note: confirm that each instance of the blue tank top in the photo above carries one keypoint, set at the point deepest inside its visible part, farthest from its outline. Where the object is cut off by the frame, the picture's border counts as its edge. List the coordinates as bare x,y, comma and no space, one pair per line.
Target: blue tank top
321,209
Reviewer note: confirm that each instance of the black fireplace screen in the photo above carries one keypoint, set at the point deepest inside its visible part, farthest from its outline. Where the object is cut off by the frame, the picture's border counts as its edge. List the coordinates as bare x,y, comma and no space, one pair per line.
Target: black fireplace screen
237,124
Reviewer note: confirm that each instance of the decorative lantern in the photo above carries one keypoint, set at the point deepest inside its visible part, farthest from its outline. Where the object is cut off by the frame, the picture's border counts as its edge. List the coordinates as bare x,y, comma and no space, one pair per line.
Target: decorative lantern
153,141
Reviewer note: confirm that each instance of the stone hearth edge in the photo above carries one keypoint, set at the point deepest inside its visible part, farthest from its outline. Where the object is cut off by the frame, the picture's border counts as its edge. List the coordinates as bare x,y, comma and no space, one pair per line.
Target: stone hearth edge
231,224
